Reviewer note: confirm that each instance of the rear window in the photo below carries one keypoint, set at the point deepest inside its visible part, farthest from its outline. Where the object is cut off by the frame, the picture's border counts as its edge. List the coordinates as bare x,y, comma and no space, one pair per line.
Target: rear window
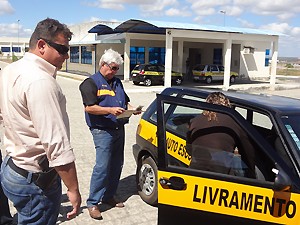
139,67
199,67
150,68
161,68
221,68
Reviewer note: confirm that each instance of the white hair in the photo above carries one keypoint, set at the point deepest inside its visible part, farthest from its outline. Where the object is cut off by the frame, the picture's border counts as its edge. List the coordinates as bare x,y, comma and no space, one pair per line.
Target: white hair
111,56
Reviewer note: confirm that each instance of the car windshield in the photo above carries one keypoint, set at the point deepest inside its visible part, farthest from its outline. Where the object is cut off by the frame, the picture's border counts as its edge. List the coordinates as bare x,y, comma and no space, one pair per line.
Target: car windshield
291,123
139,67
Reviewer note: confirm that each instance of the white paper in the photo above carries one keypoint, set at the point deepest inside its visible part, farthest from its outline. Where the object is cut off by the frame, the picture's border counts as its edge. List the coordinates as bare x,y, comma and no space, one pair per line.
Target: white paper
128,113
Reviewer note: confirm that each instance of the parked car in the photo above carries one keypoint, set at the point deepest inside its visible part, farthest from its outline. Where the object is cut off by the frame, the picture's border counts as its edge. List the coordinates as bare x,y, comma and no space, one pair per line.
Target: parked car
209,73
150,74
184,194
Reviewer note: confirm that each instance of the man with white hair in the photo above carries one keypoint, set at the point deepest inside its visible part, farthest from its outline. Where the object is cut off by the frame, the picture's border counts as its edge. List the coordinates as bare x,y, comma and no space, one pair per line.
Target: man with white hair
104,99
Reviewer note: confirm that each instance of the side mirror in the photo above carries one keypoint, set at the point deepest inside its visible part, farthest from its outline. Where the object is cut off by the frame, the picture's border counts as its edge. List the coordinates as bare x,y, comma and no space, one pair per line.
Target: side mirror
282,180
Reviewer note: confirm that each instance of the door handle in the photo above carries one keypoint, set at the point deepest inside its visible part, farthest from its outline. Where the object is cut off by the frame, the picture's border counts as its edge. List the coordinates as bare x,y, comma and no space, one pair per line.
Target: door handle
175,183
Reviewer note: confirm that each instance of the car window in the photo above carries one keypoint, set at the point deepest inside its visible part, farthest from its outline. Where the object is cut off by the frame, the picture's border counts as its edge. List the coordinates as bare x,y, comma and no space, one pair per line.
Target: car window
241,111
153,116
221,68
262,120
214,68
199,67
178,121
138,67
160,68
264,125
291,123
150,68
244,158
193,98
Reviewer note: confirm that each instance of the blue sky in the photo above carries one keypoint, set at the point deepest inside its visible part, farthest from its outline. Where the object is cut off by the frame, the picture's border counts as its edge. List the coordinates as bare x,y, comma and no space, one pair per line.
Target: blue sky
278,15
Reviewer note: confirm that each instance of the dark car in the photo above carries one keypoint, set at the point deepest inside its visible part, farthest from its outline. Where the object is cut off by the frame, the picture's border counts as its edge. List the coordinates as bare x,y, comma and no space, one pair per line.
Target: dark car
150,74
186,196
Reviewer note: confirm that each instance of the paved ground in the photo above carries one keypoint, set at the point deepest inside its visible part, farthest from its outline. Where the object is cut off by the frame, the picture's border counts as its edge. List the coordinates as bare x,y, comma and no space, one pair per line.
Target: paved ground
135,211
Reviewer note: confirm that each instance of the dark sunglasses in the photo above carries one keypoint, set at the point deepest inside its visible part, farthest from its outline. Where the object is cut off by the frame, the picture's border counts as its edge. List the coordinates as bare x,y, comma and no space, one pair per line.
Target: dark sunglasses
61,49
113,68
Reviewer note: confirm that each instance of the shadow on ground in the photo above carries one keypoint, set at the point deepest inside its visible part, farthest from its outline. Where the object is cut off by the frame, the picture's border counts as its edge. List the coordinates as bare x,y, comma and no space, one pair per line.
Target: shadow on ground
127,188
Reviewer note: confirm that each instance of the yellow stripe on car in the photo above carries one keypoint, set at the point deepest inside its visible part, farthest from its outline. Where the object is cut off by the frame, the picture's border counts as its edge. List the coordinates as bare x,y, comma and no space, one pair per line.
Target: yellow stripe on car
231,199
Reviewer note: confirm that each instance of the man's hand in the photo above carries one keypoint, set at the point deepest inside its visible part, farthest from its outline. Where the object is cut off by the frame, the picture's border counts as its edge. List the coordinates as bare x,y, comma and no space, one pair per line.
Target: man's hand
68,175
116,111
75,199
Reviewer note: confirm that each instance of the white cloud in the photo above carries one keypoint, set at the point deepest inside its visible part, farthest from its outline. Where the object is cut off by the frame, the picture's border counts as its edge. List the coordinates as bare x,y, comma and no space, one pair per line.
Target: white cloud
296,31
157,6
233,11
5,7
288,43
206,12
282,9
284,28
11,30
246,23
178,12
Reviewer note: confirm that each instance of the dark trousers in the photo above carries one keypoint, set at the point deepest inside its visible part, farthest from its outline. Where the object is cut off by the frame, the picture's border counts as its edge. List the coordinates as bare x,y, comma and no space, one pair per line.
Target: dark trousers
5,216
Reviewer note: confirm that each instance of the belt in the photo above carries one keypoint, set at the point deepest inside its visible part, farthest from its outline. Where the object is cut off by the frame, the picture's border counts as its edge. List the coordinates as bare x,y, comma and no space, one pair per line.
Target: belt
107,128
21,171
42,179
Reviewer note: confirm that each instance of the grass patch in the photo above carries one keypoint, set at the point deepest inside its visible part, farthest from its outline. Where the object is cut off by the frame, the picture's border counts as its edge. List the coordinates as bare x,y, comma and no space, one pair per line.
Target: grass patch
288,72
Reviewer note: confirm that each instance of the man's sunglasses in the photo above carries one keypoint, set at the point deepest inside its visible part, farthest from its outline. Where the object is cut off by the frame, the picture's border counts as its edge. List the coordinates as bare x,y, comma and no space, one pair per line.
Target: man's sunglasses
61,49
113,68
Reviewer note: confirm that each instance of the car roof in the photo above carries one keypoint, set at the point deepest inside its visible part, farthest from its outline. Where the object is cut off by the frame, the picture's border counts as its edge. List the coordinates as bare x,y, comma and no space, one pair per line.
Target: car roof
271,103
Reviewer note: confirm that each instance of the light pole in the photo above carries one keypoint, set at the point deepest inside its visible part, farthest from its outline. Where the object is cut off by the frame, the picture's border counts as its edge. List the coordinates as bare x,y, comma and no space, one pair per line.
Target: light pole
18,36
224,13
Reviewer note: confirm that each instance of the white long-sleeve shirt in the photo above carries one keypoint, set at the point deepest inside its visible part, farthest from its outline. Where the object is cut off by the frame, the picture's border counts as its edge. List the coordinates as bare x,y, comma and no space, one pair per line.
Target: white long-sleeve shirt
33,110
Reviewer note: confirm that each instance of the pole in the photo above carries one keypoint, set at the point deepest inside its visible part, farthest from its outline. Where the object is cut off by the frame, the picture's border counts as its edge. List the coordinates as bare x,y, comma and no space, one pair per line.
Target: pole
224,13
18,36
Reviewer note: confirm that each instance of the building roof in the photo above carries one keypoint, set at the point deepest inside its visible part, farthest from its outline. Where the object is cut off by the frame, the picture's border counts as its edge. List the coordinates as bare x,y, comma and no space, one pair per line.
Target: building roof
159,27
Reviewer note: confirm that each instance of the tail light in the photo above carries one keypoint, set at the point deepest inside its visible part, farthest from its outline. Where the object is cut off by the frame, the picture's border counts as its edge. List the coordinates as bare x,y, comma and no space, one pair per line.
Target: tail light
142,72
202,74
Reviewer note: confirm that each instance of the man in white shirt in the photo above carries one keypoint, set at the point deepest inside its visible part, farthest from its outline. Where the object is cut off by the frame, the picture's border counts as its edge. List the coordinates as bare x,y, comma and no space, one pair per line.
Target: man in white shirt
36,129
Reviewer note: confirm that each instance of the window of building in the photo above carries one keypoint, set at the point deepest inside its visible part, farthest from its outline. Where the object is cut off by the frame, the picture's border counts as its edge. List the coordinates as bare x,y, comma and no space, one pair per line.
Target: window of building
86,56
157,55
5,49
137,56
74,54
267,58
218,58
16,49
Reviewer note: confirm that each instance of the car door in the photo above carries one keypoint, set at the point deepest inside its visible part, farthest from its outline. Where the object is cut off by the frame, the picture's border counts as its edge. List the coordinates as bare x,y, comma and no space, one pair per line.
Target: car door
199,196
215,73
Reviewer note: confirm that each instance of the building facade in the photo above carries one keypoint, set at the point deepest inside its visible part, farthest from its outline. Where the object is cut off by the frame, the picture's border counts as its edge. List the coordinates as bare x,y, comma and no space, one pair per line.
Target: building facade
179,46
176,45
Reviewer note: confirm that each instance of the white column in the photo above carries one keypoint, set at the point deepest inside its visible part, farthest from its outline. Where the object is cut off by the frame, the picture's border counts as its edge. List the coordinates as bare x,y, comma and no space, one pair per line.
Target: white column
274,64
180,55
227,62
11,52
168,59
127,58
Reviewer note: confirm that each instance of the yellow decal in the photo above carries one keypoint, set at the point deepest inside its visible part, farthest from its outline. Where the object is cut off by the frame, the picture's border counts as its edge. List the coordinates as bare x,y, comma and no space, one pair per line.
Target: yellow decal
153,73
176,146
232,199
105,92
